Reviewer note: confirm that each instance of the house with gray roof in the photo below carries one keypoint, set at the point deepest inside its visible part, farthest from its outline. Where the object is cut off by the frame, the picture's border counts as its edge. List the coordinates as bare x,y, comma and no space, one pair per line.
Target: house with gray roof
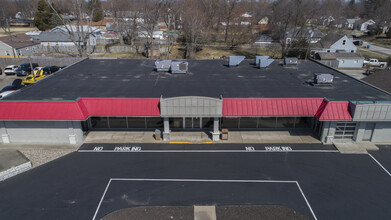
62,42
18,45
341,60
333,43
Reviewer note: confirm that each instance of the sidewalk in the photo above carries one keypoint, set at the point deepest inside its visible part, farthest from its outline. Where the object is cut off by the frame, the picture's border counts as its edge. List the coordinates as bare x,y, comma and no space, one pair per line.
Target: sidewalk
304,136
40,154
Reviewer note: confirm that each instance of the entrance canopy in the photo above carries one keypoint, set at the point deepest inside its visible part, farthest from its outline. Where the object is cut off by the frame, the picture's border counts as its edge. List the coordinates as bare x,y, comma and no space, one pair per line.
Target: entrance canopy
191,106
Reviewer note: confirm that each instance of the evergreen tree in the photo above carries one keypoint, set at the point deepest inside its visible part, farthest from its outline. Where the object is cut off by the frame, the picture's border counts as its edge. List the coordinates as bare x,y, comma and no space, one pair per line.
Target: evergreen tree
45,18
96,8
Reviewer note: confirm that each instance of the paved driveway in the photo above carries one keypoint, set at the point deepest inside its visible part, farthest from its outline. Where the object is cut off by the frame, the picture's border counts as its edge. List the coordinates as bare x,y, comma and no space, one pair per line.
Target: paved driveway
377,48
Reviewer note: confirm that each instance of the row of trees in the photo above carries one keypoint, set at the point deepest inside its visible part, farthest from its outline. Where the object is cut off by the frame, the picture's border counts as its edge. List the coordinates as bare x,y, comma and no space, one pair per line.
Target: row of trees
201,21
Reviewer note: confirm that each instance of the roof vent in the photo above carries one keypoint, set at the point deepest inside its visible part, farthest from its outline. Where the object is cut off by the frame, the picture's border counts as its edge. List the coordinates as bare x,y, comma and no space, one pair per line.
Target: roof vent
291,61
162,65
258,58
323,79
235,60
179,67
264,61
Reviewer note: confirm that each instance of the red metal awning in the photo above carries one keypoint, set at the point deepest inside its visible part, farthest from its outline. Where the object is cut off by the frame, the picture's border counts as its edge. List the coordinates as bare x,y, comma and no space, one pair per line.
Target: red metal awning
258,107
41,110
334,111
120,107
79,110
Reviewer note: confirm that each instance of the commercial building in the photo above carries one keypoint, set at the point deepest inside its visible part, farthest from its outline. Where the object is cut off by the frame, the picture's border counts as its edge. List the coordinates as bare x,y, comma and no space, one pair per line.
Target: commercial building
99,94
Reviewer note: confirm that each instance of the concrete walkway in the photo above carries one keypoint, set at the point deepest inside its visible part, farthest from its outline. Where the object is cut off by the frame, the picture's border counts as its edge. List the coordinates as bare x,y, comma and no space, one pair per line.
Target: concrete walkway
350,147
304,136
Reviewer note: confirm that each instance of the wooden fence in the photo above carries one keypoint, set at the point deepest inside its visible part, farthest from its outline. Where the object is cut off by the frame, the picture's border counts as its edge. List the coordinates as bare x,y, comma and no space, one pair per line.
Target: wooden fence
42,61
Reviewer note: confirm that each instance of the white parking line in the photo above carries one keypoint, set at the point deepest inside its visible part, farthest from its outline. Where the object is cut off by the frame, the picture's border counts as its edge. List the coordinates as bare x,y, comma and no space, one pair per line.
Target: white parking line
210,151
380,164
205,180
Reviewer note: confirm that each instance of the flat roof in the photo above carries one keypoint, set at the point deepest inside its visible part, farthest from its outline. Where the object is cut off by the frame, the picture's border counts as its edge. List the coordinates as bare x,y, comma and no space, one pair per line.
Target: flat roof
136,78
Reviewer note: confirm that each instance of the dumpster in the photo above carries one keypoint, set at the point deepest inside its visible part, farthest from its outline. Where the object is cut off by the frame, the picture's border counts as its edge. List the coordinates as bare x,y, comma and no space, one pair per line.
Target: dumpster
224,134
158,134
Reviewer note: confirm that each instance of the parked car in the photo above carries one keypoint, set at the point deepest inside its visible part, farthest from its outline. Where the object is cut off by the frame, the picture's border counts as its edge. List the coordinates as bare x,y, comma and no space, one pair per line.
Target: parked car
1,71
7,90
25,69
358,42
374,63
10,70
40,74
50,69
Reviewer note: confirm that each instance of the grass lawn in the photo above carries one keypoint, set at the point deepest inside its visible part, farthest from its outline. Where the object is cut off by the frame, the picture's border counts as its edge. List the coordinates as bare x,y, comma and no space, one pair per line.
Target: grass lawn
217,53
370,54
17,30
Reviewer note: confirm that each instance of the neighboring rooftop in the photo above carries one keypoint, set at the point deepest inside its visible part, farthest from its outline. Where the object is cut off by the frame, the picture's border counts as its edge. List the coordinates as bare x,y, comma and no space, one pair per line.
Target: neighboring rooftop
136,78
381,79
18,41
333,56
328,40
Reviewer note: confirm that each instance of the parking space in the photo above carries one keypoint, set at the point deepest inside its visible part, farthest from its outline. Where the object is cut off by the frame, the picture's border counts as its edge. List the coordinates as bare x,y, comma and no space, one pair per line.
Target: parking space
125,193
7,80
382,157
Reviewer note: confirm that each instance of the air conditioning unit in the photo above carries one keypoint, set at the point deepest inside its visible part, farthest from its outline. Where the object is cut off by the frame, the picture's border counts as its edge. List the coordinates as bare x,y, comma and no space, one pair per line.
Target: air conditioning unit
179,67
291,61
323,78
163,65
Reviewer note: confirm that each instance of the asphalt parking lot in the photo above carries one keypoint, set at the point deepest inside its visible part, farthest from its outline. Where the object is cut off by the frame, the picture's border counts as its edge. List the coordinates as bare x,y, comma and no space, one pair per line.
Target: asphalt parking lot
7,80
85,184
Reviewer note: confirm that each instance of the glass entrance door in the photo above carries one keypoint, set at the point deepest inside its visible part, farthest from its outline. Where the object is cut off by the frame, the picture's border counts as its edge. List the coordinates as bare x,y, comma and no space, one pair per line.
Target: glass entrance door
192,123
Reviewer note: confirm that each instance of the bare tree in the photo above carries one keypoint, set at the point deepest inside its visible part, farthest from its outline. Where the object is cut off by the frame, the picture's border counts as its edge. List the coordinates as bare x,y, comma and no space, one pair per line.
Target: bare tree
5,22
80,29
193,22
228,11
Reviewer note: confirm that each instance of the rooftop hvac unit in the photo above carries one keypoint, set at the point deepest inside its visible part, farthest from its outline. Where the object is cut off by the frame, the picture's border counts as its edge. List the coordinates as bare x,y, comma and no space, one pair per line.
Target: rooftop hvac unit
291,61
179,67
258,58
235,60
263,63
323,78
162,65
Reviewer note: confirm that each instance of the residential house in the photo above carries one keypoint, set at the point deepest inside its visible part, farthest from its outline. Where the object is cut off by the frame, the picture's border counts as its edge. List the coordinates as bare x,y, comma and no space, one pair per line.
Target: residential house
341,60
18,45
332,43
63,39
362,25
82,29
264,41
21,22
157,34
350,23
315,35
328,20
263,21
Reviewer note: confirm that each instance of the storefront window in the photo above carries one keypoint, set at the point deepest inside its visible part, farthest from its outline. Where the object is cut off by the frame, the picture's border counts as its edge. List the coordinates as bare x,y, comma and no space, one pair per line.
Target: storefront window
154,122
303,122
136,122
267,122
117,122
207,122
229,122
176,123
285,122
99,122
248,123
